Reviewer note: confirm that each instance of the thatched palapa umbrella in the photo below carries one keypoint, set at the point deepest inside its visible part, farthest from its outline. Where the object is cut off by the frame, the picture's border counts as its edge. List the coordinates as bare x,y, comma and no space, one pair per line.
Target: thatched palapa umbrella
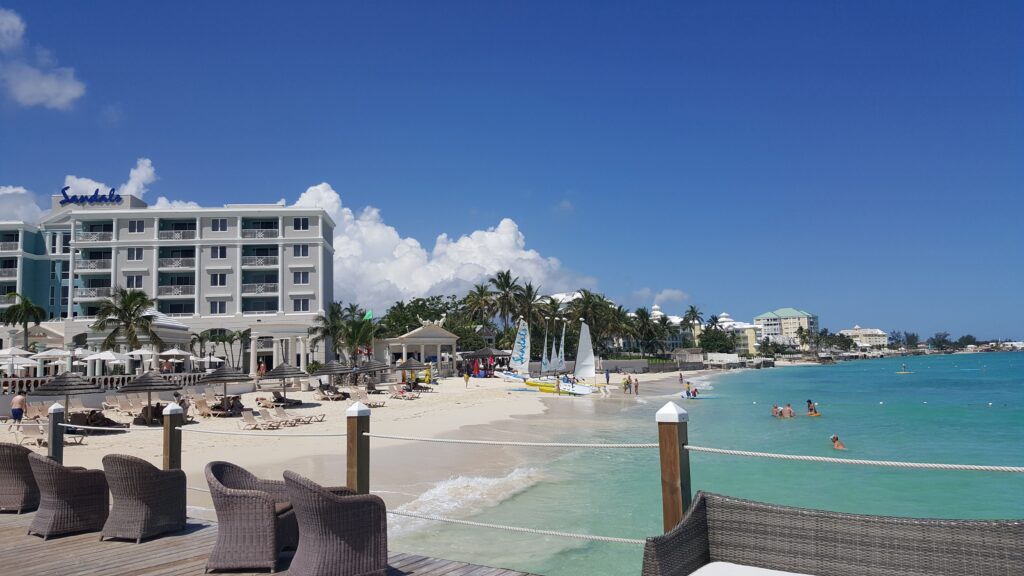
284,371
224,375
149,382
487,353
67,384
334,368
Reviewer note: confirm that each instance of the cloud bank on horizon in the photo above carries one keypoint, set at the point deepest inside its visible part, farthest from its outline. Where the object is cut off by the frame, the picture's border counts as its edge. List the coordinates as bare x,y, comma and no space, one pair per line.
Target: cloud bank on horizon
374,265
30,75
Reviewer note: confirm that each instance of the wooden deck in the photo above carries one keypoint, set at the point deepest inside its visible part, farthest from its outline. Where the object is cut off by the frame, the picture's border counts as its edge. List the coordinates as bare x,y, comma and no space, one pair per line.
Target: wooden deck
181,554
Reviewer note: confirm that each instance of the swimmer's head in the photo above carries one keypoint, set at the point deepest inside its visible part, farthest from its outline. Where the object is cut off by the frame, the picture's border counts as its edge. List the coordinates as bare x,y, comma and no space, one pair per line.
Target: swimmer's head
834,438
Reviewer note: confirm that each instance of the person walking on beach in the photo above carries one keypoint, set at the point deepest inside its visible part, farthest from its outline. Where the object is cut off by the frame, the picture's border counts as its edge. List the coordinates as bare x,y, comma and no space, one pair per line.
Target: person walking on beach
261,371
607,376
625,385
636,386
837,443
465,376
18,405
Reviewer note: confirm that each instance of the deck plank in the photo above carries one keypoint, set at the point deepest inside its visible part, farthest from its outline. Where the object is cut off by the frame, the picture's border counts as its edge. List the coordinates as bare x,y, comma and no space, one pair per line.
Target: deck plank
181,554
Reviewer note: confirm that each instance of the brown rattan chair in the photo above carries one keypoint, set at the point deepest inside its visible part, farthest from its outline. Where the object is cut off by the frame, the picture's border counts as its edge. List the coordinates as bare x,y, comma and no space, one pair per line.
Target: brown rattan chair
723,529
148,501
255,521
340,533
18,489
71,499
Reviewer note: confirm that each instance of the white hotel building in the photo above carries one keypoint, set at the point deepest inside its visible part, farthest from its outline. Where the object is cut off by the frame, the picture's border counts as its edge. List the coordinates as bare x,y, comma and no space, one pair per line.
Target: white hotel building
264,267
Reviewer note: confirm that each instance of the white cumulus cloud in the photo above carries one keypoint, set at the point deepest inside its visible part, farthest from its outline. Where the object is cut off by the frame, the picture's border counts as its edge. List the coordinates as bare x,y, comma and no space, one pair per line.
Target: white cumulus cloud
139,178
163,203
375,265
33,82
17,203
670,295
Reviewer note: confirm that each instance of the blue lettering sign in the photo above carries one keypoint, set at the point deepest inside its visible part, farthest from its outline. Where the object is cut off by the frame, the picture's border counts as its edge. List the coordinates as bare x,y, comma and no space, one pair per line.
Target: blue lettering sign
111,197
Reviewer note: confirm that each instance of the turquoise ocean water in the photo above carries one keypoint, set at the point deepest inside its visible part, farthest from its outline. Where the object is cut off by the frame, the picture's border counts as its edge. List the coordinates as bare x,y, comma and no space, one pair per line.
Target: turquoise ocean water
955,409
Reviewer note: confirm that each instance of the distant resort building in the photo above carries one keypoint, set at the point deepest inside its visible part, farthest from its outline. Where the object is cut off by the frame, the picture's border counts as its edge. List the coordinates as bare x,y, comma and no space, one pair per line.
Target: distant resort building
781,325
867,337
748,336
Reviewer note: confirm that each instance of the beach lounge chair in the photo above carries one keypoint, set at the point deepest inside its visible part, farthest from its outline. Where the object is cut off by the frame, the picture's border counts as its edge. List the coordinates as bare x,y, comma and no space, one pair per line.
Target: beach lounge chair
340,532
362,396
29,432
266,416
327,395
396,392
280,400
70,499
110,403
18,489
305,419
124,406
204,410
720,532
249,422
255,520
148,501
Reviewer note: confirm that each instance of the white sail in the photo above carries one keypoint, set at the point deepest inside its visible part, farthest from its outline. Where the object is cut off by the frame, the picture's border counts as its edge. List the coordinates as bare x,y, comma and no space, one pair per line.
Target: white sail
585,354
520,360
554,354
561,351
545,364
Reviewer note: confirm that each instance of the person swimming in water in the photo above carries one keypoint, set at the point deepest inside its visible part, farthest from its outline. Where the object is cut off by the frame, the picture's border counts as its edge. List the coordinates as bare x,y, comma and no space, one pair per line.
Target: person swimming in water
837,443
775,411
812,408
787,412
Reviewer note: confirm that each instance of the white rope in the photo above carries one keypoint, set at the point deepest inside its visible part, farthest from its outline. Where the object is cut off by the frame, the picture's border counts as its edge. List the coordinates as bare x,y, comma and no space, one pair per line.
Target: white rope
103,428
260,434
508,443
521,530
888,463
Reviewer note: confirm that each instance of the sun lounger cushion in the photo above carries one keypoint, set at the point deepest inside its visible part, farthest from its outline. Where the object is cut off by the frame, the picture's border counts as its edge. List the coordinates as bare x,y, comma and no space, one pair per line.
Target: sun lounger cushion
730,569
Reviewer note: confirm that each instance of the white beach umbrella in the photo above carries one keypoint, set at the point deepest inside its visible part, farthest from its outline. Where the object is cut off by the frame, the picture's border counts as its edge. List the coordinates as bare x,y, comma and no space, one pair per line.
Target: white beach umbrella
196,359
81,352
175,352
51,354
213,360
141,352
14,351
106,356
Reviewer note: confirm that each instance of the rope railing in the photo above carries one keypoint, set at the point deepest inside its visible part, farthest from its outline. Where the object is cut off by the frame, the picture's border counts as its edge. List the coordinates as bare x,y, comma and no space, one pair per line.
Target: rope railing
261,434
507,442
856,461
108,428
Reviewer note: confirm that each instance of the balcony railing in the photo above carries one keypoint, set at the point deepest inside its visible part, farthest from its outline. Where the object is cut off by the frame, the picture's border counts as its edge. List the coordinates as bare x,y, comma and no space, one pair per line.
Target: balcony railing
263,344
8,272
177,234
10,246
86,236
257,312
262,288
176,290
259,260
98,292
6,300
98,264
177,262
259,232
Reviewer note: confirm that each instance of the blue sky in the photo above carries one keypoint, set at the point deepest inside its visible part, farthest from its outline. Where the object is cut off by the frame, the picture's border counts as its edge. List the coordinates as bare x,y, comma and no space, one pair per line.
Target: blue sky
860,160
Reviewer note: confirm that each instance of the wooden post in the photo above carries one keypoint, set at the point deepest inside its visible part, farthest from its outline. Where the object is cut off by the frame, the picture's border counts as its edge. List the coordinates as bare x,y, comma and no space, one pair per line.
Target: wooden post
358,453
55,434
174,418
675,463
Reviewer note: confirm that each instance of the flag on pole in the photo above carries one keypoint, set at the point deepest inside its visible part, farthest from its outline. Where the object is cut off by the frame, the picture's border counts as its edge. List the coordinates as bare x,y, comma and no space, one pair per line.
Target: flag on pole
368,315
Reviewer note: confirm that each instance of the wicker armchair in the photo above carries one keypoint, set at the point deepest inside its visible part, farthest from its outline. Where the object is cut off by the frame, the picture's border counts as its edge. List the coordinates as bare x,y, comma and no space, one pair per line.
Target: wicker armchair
340,533
723,529
70,499
255,519
147,500
18,489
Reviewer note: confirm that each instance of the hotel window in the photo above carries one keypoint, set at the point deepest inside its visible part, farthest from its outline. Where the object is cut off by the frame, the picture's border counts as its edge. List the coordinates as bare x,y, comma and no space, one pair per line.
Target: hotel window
133,281
218,279
301,223
65,246
300,278
220,224
53,271
300,305
218,307
136,226
300,250
135,254
218,252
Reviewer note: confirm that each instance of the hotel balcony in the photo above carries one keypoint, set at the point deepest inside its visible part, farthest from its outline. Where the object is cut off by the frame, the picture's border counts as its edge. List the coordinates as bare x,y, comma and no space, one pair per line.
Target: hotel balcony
260,232
83,265
88,236
8,272
257,261
260,288
10,246
97,292
188,263
6,300
176,234
176,290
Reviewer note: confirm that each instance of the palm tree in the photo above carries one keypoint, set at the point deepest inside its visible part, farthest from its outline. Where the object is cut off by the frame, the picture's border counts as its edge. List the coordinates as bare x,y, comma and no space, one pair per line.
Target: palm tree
479,303
328,327
353,312
22,313
665,329
712,322
529,302
244,338
199,341
693,317
355,335
227,341
646,330
126,315
595,309
506,289
620,324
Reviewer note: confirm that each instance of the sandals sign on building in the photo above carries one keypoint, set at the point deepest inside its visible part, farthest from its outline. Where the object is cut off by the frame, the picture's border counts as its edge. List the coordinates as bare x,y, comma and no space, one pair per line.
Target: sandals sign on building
111,197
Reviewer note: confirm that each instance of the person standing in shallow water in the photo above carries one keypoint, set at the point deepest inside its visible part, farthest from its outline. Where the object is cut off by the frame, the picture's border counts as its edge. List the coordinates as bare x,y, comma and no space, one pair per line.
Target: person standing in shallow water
636,386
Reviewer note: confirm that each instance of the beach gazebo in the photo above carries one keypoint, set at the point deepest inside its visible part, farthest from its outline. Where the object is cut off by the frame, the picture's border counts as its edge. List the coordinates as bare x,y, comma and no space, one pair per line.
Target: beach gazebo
149,382
225,375
429,340
67,384
284,372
